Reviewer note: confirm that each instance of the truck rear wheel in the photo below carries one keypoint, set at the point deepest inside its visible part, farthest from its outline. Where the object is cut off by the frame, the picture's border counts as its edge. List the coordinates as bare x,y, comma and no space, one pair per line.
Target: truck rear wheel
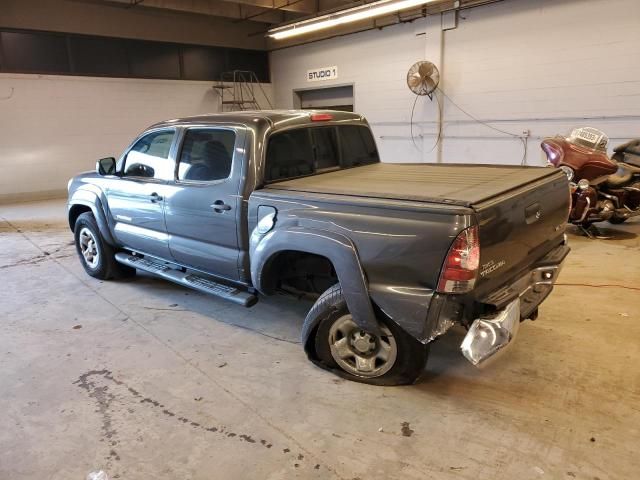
392,358
96,255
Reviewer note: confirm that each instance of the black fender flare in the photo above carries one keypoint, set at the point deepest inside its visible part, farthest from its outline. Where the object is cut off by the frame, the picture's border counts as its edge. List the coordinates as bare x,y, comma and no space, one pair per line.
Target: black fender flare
92,200
339,249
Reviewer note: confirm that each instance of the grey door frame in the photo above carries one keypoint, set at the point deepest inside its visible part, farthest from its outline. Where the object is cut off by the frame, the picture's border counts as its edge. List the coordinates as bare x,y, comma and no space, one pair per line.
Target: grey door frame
233,182
129,224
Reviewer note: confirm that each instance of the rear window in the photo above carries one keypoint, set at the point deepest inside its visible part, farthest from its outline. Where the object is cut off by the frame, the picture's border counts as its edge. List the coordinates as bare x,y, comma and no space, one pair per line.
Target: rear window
357,146
309,150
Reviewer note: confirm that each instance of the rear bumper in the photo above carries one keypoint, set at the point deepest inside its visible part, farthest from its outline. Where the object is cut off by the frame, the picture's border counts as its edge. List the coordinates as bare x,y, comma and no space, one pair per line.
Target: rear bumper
487,337
533,286
492,334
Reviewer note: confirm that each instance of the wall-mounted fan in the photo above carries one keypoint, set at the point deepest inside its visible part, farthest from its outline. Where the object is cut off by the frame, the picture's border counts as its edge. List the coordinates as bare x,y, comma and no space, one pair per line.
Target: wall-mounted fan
423,78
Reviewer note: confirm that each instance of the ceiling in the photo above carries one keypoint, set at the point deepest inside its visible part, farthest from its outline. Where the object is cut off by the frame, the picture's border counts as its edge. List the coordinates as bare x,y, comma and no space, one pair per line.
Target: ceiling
260,15
262,11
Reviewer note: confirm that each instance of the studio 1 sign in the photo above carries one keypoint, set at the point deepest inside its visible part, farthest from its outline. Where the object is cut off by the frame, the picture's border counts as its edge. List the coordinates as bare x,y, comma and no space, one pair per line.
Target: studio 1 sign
320,74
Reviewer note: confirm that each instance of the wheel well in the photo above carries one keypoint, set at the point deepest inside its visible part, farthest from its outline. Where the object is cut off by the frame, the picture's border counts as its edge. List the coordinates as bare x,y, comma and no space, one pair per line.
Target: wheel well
75,212
298,272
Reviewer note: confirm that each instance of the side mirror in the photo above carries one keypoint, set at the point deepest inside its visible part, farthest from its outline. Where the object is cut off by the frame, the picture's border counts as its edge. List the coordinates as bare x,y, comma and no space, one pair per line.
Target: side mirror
106,166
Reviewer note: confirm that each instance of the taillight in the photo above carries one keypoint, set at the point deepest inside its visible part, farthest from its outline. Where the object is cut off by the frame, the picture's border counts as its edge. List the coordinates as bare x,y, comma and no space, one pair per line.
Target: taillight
460,268
321,117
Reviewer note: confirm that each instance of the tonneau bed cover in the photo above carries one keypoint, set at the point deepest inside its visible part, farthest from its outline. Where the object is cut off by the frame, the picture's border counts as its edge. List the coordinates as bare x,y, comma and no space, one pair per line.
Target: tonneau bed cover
453,184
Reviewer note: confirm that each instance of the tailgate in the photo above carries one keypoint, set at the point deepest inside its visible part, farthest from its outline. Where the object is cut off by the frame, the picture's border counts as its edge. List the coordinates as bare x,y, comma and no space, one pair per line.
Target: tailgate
518,228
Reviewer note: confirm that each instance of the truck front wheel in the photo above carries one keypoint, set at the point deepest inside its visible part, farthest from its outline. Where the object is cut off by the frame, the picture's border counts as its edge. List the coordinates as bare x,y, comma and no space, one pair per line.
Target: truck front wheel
391,358
96,255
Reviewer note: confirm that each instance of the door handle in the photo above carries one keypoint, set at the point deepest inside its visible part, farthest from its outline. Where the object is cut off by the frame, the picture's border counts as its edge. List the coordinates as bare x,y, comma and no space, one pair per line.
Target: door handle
219,206
154,197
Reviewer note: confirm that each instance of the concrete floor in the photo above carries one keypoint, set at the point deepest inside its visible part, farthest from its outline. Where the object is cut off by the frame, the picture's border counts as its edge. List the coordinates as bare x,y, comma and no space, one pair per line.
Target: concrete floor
148,380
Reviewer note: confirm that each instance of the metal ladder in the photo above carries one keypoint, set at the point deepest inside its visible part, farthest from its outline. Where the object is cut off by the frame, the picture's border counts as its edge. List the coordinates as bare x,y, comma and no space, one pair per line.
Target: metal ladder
236,90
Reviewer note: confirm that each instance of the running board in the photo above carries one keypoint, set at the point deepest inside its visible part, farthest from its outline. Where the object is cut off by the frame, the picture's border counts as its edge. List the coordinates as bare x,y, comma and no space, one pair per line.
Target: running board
190,280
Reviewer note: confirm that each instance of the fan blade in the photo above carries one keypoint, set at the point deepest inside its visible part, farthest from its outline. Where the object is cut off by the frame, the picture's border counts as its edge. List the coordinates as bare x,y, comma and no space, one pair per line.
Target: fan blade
430,85
426,69
414,81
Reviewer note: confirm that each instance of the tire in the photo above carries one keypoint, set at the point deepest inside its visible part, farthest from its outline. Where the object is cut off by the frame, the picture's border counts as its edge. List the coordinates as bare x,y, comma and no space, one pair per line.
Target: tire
394,358
617,220
97,256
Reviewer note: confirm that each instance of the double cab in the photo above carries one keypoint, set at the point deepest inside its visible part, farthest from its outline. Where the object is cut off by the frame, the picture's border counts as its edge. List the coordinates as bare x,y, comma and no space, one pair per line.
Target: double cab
246,204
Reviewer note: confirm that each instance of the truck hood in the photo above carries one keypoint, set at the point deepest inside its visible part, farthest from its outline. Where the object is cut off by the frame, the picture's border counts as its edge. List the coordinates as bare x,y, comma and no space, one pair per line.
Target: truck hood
452,184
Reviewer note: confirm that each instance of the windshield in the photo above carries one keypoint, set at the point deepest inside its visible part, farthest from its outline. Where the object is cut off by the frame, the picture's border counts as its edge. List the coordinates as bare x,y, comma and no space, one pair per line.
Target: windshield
310,150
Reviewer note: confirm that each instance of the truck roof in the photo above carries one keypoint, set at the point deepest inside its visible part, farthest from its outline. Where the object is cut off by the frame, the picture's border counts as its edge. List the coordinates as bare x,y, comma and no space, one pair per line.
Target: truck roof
274,118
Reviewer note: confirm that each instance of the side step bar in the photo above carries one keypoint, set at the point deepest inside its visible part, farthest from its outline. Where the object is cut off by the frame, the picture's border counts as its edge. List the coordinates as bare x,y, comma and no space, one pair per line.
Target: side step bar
190,280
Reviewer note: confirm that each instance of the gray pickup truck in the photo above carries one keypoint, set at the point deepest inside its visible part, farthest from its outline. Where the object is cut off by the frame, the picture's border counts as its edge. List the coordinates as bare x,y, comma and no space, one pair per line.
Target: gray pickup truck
251,203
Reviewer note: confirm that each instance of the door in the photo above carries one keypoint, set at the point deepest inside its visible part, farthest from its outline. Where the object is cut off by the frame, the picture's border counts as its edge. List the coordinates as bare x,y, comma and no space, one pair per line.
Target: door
328,98
203,203
136,199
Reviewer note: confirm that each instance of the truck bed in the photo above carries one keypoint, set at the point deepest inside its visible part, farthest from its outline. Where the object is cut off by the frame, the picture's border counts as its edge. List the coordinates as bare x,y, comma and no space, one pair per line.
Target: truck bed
454,184
520,211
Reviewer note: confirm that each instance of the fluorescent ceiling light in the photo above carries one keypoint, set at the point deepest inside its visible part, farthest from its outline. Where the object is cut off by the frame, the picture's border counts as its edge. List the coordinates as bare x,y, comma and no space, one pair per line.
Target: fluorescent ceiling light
371,10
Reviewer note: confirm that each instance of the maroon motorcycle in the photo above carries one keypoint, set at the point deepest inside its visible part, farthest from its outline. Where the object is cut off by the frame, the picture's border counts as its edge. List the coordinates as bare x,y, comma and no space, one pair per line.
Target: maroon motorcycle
602,188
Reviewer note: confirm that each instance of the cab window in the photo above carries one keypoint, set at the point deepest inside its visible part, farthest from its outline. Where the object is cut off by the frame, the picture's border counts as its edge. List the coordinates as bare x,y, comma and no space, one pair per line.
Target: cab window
149,157
313,150
206,154
357,146
289,154
325,148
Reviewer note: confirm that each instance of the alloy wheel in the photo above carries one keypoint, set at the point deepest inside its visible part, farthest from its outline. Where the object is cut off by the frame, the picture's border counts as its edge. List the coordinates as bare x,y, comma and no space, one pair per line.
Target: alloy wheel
89,247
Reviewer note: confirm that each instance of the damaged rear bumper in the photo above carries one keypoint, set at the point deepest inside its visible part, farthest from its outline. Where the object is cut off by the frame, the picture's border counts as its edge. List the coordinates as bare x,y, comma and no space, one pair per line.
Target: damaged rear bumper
487,337
492,334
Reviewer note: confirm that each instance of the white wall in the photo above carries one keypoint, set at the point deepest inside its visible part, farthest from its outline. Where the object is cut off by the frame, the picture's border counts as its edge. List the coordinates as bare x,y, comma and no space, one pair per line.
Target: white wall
538,65
52,127
375,62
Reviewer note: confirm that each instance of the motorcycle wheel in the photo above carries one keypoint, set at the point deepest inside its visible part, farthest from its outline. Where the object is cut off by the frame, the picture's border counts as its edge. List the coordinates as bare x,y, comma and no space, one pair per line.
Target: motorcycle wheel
617,220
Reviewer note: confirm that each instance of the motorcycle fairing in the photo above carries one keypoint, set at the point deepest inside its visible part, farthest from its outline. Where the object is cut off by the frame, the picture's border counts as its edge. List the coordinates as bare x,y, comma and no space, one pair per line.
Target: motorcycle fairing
587,163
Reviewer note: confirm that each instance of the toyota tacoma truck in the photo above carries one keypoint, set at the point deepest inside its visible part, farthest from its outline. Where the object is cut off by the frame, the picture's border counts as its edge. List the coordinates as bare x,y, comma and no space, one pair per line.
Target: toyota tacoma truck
241,205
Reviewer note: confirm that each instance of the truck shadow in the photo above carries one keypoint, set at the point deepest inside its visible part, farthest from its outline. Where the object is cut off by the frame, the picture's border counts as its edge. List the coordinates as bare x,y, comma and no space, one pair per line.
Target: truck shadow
279,317
445,357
